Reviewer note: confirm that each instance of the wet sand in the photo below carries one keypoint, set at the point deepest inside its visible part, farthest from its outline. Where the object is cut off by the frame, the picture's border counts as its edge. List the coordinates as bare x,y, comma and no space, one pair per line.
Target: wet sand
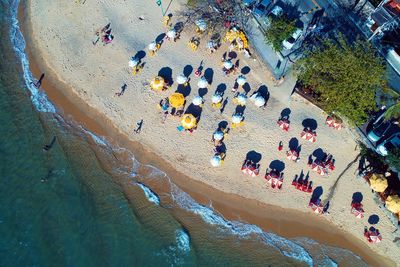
285,222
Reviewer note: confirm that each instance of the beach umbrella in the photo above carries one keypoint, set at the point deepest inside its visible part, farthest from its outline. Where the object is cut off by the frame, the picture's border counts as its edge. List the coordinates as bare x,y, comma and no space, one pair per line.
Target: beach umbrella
284,124
171,34
201,24
337,125
153,46
210,45
197,101
176,100
259,101
316,208
237,118
133,62
311,136
216,161
157,83
216,98
303,135
241,99
292,155
359,213
393,204
378,182
329,121
188,121
181,79
203,83
321,170
253,172
218,135
241,80
375,237
228,64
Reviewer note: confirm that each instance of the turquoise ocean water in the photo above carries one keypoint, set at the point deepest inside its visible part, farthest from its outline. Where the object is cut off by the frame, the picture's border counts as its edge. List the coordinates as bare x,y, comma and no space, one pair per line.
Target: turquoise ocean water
64,208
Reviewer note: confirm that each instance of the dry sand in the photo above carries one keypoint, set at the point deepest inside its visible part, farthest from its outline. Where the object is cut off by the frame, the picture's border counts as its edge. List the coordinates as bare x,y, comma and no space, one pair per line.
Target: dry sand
62,34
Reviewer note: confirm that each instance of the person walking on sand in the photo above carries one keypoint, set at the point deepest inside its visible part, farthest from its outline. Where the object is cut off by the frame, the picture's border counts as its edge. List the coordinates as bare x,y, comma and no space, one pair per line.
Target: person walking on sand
139,125
280,146
123,88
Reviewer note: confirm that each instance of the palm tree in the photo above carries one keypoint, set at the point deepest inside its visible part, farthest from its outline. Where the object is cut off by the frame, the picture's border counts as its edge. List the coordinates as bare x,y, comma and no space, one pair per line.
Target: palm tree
393,112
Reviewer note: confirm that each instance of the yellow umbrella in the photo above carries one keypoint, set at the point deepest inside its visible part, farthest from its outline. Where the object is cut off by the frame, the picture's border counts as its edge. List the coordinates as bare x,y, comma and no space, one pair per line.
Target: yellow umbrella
393,204
176,100
378,182
188,121
157,83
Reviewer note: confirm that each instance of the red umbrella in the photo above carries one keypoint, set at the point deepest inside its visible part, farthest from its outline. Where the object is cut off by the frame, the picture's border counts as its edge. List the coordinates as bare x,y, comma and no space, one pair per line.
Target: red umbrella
284,124
337,125
358,213
329,121
292,155
303,135
375,237
312,137
320,169
317,208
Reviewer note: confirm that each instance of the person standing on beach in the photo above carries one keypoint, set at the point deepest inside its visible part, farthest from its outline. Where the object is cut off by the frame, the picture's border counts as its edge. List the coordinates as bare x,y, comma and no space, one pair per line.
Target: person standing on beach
123,88
139,125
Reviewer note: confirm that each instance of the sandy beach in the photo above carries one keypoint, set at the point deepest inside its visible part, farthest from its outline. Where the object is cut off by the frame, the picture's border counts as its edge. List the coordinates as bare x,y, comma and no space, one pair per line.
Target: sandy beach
86,77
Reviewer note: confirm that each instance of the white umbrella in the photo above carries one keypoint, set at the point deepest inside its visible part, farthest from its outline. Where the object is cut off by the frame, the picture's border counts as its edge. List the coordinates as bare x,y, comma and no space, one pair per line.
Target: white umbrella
153,46
241,99
237,118
228,64
210,44
218,135
259,101
181,79
197,100
216,98
216,161
133,62
241,80
202,83
171,34
201,24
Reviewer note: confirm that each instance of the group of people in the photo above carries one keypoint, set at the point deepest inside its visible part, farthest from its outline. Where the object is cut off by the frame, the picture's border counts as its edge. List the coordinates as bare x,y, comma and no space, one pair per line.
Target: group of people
104,34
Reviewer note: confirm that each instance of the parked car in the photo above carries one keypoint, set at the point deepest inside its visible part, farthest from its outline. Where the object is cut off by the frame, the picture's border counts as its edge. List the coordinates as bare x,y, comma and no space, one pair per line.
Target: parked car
289,43
379,128
389,144
262,8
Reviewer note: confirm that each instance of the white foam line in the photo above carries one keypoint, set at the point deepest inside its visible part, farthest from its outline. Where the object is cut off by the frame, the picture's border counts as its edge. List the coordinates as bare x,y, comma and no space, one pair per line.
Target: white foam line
38,97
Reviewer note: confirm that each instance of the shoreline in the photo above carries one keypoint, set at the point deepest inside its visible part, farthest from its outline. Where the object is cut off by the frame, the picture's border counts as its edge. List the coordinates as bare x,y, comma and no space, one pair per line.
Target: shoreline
232,207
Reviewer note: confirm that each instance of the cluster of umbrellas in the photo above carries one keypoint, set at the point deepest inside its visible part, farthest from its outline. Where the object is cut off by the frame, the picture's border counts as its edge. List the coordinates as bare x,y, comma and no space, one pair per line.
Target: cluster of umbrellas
333,123
274,178
250,168
309,135
357,210
373,235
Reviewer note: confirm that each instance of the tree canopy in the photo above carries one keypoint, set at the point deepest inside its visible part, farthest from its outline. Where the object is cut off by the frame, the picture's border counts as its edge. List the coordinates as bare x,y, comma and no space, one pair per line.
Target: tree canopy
346,76
279,29
393,112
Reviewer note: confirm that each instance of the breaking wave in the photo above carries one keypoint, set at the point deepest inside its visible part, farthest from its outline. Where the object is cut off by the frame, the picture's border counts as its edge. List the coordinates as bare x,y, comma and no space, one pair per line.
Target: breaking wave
150,195
38,97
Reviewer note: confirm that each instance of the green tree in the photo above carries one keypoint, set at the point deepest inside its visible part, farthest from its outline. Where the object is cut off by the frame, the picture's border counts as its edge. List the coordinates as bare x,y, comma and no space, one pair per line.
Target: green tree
394,158
393,112
346,76
279,30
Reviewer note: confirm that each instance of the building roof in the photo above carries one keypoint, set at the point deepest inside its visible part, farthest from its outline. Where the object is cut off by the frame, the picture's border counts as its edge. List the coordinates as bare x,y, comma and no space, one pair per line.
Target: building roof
386,12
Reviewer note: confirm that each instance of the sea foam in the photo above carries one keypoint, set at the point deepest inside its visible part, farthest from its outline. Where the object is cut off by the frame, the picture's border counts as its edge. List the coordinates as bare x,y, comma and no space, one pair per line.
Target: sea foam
38,97
150,195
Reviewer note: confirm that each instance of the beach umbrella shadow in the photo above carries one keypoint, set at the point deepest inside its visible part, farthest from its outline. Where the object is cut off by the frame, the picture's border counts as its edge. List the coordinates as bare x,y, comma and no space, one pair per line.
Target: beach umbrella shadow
253,156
